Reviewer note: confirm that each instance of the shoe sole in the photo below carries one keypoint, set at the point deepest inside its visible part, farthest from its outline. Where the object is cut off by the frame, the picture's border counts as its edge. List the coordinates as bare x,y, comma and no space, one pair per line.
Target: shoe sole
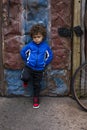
36,107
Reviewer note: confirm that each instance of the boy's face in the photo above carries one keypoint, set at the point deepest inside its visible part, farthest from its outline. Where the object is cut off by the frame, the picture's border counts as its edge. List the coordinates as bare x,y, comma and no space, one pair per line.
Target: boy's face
38,38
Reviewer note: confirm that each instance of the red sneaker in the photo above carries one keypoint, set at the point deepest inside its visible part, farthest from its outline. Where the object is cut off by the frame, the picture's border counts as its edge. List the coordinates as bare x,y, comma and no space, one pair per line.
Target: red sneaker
35,102
25,84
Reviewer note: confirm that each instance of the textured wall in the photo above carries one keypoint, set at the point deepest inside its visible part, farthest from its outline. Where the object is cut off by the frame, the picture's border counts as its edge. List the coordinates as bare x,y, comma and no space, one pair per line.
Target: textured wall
61,16
12,34
19,16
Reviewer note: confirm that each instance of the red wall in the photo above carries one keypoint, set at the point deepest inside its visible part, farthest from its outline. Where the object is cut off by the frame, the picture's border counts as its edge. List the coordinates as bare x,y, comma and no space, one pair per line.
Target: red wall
61,12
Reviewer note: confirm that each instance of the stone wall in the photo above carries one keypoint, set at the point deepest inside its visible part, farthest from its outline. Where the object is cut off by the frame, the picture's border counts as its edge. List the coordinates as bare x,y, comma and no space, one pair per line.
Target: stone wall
61,16
12,34
18,17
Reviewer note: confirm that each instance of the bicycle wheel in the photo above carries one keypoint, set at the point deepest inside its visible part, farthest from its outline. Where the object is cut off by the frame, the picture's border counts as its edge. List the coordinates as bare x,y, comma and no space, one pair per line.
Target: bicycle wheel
79,86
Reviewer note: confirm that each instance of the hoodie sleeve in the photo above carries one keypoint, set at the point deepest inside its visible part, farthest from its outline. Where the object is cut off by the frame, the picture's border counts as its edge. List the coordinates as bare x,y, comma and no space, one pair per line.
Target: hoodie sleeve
49,55
24,52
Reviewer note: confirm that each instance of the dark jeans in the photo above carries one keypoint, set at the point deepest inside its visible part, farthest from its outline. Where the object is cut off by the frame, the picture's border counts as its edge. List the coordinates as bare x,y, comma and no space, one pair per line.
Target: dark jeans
32,75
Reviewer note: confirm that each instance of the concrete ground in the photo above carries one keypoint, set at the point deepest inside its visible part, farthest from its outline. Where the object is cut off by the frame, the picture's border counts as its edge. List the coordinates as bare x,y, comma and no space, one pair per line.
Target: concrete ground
60,113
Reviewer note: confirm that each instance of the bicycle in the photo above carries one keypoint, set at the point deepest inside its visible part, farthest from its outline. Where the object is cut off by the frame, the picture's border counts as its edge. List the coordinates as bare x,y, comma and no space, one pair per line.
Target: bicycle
79,79
79,86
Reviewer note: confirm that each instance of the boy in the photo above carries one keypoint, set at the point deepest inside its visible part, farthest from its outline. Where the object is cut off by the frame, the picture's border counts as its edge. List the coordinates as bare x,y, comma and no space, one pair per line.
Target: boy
36,55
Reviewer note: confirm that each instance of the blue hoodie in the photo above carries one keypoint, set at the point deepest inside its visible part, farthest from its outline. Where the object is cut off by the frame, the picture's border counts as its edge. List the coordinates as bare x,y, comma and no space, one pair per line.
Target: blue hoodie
37,56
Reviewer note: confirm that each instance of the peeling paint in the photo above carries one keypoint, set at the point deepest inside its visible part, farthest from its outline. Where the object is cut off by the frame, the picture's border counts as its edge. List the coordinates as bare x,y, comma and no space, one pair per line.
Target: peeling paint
61,87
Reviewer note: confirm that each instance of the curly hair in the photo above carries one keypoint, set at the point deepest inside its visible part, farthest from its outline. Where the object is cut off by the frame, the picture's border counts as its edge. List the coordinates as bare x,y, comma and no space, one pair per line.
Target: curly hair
38,28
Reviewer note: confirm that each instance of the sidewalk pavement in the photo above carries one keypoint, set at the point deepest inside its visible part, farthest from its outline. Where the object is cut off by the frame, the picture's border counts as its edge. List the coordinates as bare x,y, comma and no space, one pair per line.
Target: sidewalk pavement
55,113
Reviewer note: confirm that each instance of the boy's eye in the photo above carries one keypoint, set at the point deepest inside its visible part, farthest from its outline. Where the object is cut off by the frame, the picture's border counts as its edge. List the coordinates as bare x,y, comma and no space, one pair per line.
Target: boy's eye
37,37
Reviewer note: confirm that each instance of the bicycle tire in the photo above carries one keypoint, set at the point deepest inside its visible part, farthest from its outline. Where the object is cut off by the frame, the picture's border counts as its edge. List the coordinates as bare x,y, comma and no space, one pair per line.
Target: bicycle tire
79,86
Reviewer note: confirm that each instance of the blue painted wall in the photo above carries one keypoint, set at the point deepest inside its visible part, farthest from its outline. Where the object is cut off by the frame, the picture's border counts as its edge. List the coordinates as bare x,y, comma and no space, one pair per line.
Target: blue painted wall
33,12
